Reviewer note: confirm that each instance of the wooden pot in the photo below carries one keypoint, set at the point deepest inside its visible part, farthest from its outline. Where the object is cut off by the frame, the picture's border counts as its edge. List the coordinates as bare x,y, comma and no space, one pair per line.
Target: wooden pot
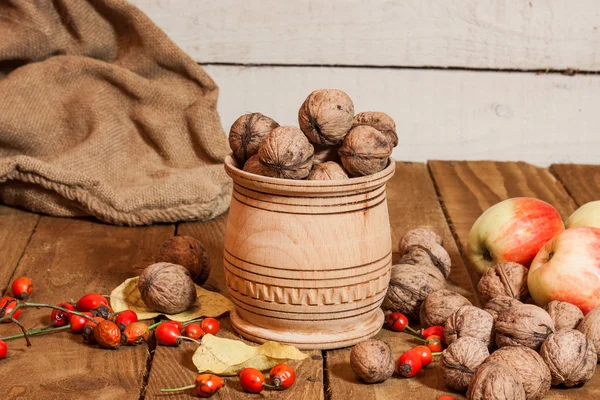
307,263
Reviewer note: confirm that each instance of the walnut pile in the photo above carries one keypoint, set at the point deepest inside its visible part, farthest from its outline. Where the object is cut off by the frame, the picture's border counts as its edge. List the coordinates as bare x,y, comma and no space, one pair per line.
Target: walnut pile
504,279
372,361
188,252
418,236
254,166
565,315
496,381
470,321
498,304
590,327
460,361
380,121
325,153
424,247
526,325
570,356
365,151
439,305
286,153
246,134
167,288
327,171
326,116
530,366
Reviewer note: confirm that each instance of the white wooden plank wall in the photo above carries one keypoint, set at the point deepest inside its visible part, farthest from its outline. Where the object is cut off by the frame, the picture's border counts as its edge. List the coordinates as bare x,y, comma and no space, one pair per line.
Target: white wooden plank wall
274,49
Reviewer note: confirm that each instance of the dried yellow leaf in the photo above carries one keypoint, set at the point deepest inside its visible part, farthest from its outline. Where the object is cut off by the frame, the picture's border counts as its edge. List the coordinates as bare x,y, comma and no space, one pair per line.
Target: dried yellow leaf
226,357
126,296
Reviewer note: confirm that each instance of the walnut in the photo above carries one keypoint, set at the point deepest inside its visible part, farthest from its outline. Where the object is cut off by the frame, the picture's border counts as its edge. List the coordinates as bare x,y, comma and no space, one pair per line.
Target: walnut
167,288
365,151
565,315
254,166
438,306
328,171
498,304
496,381
380,121
526,325
418,236
326,115
530,367
286,153
188,252
460,360
246,134
590,327
570,356
372,361
470,321
409,286
325,153
504,279
431,255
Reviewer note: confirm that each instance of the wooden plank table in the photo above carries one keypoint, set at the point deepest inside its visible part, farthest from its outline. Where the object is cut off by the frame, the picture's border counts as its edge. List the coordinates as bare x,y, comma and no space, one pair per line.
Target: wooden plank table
69,257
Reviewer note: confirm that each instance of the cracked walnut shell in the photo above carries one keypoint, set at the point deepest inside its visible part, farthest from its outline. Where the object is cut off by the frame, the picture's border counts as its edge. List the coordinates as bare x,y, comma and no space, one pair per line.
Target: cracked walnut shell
526,325
570,356
372,360
326,115
496,381
470,321
286,153
246,134
380,121
439,305
327,171
565,315
167,288
365,151
504,279
460,361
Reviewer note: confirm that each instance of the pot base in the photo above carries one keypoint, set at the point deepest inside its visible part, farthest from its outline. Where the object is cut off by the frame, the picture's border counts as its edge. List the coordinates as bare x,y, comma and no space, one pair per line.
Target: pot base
336,337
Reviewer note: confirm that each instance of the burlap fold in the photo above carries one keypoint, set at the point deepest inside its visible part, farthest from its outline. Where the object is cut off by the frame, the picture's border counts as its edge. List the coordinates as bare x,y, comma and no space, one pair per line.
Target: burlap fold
102,115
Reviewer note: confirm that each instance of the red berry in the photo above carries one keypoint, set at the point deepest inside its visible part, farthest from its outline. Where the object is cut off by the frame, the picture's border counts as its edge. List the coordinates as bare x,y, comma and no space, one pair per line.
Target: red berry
136,333
167,334
434,343
208,384
77,322
178,325
252,380
425,355
107,334
396,321
433,330
125,318
409,364
210,325
3,349
60,318
194,331
7,305
22,287
282,376
88,330
446,398
91,301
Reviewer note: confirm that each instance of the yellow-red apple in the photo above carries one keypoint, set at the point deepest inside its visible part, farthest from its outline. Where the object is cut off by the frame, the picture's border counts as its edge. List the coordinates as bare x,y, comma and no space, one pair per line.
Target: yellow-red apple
586,215
512,230
567,268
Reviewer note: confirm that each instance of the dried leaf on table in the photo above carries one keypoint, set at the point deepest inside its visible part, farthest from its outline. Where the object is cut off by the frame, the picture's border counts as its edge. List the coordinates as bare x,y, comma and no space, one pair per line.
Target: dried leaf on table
226,357
208,304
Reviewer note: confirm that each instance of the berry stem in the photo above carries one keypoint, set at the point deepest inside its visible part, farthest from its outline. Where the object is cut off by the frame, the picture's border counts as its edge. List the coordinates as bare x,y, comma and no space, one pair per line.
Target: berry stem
22,330
412,331
418,339
178,389
192,321
153,326
271,386
188,338
35,332
437,353
40,305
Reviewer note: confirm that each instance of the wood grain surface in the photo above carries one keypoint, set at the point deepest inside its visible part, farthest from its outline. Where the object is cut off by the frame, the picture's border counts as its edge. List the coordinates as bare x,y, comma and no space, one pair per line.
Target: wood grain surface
581,181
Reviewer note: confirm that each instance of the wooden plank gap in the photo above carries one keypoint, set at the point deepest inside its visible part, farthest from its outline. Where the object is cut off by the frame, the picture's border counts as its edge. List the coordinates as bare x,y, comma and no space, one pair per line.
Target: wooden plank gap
14,271
149,360
326,387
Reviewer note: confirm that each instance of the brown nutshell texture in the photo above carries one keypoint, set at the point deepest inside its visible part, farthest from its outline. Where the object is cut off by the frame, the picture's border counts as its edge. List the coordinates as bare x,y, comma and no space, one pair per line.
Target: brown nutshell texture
325,153
246,134
565,315
418,236
570,356
470,321
439,305
496,381
286,153
530,367
188,252
409,286
365,151
590,327
254,166
380,121
326,115
372,361
167,288
526,325
498,304
460,361
504,279
327,171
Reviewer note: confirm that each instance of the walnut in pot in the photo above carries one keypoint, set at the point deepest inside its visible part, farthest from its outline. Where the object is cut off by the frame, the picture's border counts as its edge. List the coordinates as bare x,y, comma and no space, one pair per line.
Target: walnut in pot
565,315
327,171
496,381
498,304
504,279
254,166
365,151
570,356
418,236
409,286
286,153
188,252
590,327
430,255
530,367
372,360
167,288
526,325
439,305
326,115
380,121
325,153
460,361
246,134
470,321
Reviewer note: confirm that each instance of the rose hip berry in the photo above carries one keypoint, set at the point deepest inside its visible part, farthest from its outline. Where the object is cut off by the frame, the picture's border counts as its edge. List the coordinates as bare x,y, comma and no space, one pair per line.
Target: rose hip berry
167,334
446,398
126,318
425,354
210,325
22,288
282,376
103,310
194,331
435,343
88,330
60,318
7,305
398,322
252,380
178,325
107,334
78,322
136,333
409,364
206,385
3,349
91,301
433,330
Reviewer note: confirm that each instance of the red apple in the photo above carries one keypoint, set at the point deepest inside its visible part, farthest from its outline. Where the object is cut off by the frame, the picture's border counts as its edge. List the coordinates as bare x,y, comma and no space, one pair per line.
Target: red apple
567,268
512,230
586,215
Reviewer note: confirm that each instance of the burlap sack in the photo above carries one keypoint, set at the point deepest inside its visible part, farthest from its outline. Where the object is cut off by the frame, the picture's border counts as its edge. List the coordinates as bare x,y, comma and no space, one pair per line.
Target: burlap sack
102,115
